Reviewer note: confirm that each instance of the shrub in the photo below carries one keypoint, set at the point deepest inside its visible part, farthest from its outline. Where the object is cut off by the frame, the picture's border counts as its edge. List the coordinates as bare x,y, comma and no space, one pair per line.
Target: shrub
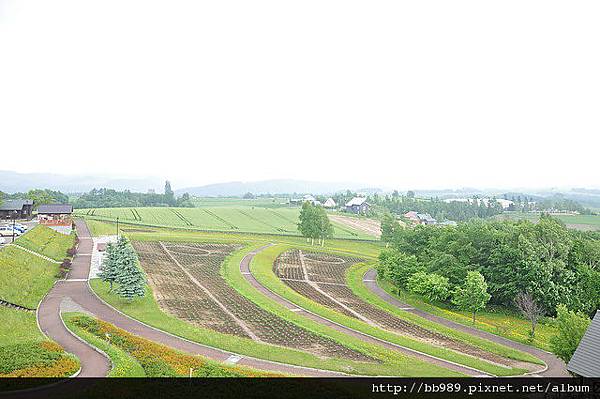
432,286
571,327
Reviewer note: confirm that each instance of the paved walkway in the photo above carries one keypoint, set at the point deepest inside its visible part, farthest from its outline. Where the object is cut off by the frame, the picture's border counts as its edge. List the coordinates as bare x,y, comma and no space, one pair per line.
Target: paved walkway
556,367
76,288
245,270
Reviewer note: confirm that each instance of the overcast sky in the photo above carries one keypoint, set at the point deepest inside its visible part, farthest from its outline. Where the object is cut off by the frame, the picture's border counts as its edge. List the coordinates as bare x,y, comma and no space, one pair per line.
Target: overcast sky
408,94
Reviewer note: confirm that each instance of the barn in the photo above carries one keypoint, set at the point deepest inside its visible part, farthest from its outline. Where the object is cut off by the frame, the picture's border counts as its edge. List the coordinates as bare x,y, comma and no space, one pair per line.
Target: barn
357,205
16,209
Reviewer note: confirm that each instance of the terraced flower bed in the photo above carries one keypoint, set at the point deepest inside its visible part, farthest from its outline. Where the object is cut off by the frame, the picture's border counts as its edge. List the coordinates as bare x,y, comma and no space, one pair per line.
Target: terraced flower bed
187,283
158,360
321,278
39,359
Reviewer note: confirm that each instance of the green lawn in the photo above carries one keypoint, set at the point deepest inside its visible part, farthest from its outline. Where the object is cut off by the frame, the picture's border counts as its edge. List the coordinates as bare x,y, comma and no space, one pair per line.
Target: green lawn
25,278
262,269
48,242
237,218
503,323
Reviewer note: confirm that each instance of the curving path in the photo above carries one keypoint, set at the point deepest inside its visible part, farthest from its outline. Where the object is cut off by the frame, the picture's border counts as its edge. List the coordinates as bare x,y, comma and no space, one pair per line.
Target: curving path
245,270
555,366
93,363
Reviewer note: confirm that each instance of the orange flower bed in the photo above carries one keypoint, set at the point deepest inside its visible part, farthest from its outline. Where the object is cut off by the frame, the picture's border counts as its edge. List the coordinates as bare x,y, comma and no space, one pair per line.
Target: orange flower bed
159,360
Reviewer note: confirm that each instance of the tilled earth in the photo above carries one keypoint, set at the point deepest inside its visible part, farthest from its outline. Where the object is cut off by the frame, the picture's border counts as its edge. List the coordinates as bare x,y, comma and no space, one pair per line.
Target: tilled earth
177,294
302,271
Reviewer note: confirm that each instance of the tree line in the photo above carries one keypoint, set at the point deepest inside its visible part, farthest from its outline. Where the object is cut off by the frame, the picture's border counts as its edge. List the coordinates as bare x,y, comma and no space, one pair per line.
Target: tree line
109,198
38,196
439,209
554,264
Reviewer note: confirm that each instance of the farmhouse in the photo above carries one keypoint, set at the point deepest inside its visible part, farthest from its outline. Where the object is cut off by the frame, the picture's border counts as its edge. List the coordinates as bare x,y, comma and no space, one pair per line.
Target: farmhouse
56,216
17,209
330,203
585,359
357,205
419,218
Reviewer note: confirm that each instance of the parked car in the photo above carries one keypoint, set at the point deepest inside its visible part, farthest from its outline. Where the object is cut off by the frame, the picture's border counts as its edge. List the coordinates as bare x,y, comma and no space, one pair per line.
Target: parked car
17,227
7,231
21,226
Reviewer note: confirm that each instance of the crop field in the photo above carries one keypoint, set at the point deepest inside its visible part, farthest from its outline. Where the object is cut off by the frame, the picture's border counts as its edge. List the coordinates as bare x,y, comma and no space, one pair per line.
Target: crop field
321,278
218,218
187,283
579,222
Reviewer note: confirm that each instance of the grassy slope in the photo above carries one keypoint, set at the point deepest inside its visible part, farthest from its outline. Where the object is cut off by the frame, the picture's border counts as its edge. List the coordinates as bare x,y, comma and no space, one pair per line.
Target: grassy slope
147,310
18,327
354,278
45,241
501,323
262,270
25,278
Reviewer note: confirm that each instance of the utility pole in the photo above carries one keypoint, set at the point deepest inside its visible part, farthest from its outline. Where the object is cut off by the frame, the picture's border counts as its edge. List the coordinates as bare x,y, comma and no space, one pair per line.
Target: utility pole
117,227
13,230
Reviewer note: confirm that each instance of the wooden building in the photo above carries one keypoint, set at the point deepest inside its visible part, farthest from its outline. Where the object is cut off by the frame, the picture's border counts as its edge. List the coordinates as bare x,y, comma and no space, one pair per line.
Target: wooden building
16,209
55,214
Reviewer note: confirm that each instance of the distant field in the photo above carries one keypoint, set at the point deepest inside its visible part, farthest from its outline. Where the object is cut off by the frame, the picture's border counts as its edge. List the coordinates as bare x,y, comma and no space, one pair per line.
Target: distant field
226,217
579,222
261,202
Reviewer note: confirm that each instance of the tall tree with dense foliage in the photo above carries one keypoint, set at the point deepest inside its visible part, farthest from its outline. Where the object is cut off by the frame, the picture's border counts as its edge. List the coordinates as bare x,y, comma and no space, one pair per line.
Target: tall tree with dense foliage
169,194
130,278
571,327
472,296
389,225
40,197
314,224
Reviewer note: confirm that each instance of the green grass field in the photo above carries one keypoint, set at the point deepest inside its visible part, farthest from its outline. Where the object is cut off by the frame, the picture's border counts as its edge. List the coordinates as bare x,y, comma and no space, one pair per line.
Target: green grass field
579,222
224,218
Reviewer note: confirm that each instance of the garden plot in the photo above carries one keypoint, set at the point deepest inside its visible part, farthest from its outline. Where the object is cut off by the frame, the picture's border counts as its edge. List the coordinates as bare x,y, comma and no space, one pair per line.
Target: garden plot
187,283
321,278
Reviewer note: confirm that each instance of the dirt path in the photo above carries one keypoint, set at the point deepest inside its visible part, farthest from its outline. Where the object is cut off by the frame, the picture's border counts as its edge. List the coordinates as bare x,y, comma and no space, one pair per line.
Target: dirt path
556,367
369,226
245,270
93,363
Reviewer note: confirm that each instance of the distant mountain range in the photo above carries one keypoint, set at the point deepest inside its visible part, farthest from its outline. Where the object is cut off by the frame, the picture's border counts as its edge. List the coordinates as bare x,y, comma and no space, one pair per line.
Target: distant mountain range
11,182
280,186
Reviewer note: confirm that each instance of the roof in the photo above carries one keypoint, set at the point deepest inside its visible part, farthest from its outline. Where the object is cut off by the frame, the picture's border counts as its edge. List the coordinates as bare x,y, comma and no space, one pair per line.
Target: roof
330,202
14,205
356,201
425,216
55,208
585,359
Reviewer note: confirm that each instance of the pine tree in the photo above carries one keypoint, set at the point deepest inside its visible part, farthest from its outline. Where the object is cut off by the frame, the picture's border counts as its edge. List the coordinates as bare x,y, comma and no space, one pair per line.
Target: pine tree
109,268
130,277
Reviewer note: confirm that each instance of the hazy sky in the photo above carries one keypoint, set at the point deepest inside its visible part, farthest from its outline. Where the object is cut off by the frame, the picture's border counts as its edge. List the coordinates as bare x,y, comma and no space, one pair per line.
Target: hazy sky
407,94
